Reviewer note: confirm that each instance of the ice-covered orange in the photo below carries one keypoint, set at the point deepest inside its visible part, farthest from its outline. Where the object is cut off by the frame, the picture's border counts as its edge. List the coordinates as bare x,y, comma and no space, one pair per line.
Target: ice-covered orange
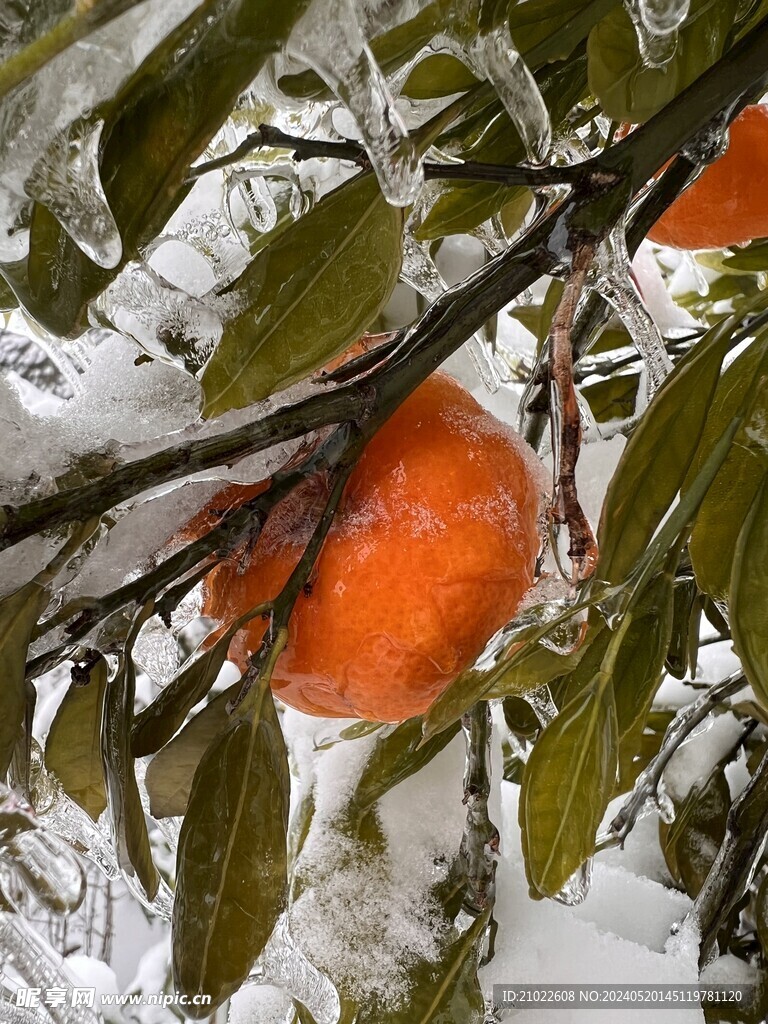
431,550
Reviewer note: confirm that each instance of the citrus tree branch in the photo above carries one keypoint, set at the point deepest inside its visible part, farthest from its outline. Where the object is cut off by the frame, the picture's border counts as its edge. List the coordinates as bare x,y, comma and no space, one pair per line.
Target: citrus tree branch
480,841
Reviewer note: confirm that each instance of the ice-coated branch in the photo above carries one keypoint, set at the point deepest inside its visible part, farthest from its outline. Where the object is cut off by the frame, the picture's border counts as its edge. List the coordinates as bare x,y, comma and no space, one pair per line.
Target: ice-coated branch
646,790
566,424
480,841
306,149
736,861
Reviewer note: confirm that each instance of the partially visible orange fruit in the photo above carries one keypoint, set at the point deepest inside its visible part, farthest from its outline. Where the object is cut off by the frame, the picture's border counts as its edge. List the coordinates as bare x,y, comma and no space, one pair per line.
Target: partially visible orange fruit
728,203
431,550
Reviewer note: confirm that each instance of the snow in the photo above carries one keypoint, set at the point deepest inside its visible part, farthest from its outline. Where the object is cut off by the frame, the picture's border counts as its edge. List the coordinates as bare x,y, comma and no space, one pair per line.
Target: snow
693,761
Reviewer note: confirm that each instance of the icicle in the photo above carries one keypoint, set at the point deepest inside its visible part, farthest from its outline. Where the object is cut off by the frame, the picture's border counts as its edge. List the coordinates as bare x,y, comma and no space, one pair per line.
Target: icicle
49,870
576,889
697,273
614,282
331,40
66,180
421,273
663,16
282,963
12,1014
656,46
40,966
497,59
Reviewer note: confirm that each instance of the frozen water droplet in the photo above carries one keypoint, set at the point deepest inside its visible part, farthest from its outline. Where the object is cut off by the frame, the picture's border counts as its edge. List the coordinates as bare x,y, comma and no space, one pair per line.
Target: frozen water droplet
615,283
331,40
697,273
663,16
576,889
66,180
497,59
168,323
283,963
656,48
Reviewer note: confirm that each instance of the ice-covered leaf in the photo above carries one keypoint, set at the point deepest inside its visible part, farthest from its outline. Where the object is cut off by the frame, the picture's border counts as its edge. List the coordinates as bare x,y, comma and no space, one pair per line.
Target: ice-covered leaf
155,724
307,296
171,771
656,459
394,758
156,126
232,857
129,827
440,75
614,398
550,30
19,613
567,784
748,598
630,90
727,503
73,747
691,842
685,627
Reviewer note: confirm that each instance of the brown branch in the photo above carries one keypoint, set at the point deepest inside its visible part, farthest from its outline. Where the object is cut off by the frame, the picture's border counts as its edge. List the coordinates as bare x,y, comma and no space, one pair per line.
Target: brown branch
480,841
566,426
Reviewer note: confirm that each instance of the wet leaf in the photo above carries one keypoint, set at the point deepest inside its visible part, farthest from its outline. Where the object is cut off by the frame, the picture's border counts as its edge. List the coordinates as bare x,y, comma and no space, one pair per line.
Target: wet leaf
171,771
19,613
749,597
626,87
73,746
691,843
655,461
613,398
129,826
296,314
724,509
446,992
567,784
154,726
232,857
155,127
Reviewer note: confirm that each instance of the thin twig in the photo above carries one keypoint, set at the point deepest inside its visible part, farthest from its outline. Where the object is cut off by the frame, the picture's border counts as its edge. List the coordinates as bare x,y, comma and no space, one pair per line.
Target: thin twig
646,788
733,868
566,425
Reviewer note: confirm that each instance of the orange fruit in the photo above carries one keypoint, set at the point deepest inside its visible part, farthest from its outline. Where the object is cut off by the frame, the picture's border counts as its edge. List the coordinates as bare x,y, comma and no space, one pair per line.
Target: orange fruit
728,203
432,548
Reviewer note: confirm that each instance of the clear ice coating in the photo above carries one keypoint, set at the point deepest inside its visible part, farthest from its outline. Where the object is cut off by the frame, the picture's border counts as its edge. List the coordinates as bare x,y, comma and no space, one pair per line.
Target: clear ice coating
663,16
421,273
167,322
66,180
40,966
282,963
614,282
331,38
48,868
495,56
543,706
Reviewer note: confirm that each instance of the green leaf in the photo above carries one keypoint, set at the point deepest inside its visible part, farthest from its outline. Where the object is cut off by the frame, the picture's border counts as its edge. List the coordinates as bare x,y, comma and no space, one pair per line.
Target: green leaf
128,822
394,758
626,87
171,771
158,721
232,858
73,746
691,843
724,509
752,258
550,30
655,461
685,620
567,784
440,75
297,313
19,613
155,127
749,597
613,398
